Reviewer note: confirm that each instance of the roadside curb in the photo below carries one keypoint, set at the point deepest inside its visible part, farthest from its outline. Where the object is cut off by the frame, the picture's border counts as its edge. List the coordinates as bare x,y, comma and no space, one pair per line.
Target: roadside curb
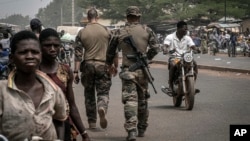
208,67
216,68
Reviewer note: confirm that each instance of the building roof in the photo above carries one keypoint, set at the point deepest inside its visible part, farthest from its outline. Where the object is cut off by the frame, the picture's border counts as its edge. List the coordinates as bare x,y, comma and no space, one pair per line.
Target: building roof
223,25
229,19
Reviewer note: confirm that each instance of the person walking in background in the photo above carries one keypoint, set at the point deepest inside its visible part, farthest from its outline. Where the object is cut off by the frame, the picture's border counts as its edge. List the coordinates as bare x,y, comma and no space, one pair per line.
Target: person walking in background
4,49
135,91
94,39
29,98
233,40
36,26
62,75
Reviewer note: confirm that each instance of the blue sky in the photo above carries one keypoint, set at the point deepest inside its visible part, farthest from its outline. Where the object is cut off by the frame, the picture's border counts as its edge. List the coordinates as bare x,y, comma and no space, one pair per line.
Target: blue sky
23,7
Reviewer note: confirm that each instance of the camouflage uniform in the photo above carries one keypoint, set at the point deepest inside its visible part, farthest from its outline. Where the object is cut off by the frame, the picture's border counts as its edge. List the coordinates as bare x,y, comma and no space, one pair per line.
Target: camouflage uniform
94,38
134,84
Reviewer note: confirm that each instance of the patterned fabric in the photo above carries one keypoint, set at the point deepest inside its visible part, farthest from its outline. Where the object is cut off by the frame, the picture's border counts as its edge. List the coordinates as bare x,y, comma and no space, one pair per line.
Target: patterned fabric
94,40
134,92
95,78
61,78
134,84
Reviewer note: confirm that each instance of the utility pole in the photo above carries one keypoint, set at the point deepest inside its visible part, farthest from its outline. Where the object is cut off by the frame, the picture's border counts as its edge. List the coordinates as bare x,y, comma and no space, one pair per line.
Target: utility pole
61,16
73,13
225,11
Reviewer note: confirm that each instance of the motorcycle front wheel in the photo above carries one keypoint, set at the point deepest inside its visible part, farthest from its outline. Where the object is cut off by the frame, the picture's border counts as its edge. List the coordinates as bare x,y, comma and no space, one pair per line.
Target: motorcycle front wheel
189,96
177,100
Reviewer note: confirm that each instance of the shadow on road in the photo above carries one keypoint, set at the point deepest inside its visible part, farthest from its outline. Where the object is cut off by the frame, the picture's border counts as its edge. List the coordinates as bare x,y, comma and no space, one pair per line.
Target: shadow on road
110,138
168,107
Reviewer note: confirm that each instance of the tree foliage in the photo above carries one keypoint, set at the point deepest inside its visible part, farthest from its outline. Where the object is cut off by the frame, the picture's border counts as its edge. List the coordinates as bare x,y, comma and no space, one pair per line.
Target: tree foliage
158,10
60,11
16,19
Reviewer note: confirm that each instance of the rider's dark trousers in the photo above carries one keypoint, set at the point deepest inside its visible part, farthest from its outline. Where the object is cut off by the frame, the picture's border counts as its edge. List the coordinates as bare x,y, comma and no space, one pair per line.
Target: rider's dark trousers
172,68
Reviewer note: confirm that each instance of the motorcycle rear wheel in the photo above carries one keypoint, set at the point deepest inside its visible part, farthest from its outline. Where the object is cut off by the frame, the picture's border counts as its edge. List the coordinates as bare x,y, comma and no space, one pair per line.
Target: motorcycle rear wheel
189,96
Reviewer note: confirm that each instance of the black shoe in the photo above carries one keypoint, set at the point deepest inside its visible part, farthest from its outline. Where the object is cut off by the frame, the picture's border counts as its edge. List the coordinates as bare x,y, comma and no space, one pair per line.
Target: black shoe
131,136
141,133
197,91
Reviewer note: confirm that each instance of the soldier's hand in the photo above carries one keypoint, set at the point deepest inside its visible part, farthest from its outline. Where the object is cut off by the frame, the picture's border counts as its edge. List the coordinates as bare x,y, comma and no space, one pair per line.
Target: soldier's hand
111,70
114,71
76,78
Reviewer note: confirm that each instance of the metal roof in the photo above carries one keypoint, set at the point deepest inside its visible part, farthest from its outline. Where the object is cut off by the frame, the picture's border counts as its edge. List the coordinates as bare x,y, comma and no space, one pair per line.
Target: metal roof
223,25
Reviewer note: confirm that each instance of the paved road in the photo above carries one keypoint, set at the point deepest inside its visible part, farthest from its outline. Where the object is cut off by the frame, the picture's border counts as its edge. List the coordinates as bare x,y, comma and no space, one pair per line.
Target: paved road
219,62
223,101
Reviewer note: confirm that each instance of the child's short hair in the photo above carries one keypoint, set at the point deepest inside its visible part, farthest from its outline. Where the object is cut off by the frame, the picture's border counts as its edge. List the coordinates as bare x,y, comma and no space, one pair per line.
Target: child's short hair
47,33
22,35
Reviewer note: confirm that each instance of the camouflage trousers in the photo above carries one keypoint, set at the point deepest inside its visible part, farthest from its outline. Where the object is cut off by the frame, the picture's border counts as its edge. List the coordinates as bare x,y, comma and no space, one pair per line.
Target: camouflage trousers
95,78
134,91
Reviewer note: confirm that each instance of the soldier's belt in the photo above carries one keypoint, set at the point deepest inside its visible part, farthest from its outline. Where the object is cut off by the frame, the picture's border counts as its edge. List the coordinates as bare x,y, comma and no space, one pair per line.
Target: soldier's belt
94,61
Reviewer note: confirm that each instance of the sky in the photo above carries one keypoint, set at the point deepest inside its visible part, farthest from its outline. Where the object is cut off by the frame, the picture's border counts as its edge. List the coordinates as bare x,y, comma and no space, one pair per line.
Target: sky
23,7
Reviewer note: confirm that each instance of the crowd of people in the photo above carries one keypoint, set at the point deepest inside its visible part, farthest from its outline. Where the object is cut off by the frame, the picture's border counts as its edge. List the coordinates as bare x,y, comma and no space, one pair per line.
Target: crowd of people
222,39
38,98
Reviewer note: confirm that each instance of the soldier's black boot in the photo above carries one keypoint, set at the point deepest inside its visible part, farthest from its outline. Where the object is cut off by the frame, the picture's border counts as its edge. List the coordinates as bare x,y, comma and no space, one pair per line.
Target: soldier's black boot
141,133
131,135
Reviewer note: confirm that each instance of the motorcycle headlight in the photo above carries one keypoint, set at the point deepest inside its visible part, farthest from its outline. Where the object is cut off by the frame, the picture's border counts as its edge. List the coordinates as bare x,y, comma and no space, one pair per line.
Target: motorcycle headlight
188,57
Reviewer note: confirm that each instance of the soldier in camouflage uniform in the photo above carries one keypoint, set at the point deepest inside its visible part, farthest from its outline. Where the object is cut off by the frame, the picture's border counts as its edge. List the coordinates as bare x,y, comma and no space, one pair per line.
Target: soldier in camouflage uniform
135,91
94,39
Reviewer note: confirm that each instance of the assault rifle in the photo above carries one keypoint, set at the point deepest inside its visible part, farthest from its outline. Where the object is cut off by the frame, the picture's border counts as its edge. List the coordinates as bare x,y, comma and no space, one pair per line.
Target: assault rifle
141,60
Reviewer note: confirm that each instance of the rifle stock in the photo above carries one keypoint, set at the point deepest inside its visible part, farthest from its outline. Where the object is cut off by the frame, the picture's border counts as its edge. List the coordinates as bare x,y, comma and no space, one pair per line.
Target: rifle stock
141,61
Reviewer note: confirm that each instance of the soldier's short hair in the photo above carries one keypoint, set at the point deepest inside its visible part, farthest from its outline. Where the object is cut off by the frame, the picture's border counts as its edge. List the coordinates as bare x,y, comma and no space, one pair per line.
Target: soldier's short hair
92,13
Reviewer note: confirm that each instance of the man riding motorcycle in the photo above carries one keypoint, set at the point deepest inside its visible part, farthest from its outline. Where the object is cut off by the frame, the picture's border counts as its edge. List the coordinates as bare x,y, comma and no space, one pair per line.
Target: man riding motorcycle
178,43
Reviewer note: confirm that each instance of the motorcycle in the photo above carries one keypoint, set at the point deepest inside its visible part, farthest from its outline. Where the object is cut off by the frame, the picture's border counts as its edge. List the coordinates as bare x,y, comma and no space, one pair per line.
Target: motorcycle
184,81
65,53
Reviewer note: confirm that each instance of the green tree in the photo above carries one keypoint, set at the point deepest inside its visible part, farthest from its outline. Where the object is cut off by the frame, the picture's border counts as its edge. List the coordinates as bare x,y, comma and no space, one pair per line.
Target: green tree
158,10
58,12
152,10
